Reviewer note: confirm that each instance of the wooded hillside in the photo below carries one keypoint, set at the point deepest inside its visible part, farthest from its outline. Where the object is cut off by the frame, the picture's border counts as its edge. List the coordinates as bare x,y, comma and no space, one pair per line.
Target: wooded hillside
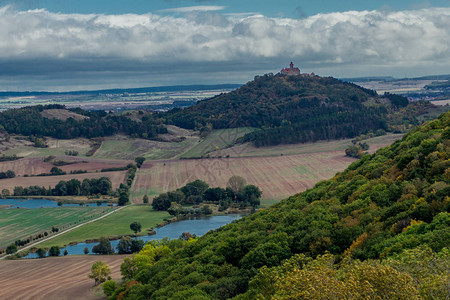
292,109
329,239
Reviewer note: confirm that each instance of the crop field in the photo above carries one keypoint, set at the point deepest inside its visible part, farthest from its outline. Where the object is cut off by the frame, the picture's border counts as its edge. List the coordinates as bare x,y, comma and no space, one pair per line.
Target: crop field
117,178
278,177
55,147
126,148
115,224
53,277
217,139
21,223
246,150
35,165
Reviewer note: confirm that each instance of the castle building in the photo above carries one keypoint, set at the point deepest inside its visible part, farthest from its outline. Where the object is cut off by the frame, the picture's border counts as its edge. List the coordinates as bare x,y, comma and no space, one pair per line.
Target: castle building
291,70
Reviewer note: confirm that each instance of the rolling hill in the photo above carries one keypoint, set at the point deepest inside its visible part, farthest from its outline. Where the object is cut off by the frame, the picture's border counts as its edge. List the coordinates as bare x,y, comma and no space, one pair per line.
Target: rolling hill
292,109
391,206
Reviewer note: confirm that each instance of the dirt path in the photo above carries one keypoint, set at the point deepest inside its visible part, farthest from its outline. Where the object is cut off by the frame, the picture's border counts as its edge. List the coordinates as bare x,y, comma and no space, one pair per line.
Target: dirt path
65,231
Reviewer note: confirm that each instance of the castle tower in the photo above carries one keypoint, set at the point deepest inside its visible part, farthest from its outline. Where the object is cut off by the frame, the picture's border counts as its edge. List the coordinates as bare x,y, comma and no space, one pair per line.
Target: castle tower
291,70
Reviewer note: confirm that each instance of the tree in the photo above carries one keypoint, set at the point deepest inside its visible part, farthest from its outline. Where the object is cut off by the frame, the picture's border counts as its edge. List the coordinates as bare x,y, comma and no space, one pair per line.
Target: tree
41,252
136,227
86,250
139,161
252,194
99,272
109,287
11,249
161,202
54,251
5,192
123,198
66,252
236,184
124,245
145,199
104,247
195,188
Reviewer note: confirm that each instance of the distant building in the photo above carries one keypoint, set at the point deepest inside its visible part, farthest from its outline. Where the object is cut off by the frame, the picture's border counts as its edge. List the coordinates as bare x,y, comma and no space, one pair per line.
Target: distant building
291,70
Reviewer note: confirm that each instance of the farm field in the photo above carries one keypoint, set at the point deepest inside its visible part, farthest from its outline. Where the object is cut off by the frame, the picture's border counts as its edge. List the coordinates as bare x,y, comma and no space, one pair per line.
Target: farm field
36,165
279,171
278,177
115,224
217,139
21,223
53,277
117,178
56,147
120,147
246,150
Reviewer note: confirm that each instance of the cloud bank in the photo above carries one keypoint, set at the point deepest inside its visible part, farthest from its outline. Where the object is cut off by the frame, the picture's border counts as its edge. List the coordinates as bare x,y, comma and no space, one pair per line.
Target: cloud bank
42,43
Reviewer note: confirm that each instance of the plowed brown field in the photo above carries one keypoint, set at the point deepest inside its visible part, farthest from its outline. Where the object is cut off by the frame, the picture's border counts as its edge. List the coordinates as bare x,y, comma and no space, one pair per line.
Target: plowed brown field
53,277
116,178
36,165
277,176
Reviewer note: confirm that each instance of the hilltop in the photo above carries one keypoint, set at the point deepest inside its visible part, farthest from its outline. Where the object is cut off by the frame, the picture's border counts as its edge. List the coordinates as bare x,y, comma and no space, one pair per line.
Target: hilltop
392,205
292,109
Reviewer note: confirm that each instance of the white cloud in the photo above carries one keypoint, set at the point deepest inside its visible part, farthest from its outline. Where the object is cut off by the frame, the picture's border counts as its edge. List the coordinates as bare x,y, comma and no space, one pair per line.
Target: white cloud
345,41
194,8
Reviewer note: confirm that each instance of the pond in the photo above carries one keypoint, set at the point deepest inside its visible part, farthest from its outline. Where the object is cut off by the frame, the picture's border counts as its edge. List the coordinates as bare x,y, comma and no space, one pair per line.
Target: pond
40,203
198,226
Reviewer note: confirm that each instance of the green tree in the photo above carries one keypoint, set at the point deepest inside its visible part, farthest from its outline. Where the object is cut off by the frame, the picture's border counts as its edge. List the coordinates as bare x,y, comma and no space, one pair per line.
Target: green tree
252,195
99,272
139,161
11,249
41,252
136,227
54,251
86,250
104,247
124,245
161,202
109,287
145,199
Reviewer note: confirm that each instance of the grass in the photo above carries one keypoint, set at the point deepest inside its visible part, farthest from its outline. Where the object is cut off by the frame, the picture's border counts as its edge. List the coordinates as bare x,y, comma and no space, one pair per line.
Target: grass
113,225
128,148
217,139
21,223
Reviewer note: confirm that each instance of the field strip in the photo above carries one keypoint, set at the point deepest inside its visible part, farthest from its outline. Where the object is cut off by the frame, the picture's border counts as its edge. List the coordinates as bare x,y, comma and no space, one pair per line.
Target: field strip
65,231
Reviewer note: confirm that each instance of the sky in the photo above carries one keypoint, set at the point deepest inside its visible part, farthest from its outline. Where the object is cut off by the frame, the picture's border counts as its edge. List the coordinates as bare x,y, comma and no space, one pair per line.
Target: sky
60,45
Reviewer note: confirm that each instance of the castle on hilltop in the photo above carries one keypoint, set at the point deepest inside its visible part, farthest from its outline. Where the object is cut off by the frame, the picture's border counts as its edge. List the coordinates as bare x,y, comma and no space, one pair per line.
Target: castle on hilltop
294,71
291,70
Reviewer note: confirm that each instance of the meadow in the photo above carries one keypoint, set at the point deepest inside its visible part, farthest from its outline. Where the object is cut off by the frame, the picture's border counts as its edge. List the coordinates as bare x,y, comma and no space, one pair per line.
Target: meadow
21,223
115,224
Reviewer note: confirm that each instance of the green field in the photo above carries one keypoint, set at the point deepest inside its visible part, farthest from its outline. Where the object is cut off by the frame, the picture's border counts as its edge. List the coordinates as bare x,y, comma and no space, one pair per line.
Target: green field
130,148
217,139
115,224
21,223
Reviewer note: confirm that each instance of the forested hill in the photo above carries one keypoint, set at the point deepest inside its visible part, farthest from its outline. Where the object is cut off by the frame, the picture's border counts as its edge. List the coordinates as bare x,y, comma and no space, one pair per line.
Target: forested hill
392,205
292,109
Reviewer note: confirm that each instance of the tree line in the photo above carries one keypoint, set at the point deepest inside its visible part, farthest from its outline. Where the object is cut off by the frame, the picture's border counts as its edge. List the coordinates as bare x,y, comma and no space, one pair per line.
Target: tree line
237,194
29,121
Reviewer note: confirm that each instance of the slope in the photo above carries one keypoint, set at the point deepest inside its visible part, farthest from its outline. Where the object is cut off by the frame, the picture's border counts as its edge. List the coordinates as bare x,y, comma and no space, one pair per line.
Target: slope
292,109
395,199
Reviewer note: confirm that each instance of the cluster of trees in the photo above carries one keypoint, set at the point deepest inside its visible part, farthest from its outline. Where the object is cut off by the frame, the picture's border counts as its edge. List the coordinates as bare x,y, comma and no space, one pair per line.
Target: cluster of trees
357,150
124,188
291,109
72,187
377,230
7,174
29,121
237,193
